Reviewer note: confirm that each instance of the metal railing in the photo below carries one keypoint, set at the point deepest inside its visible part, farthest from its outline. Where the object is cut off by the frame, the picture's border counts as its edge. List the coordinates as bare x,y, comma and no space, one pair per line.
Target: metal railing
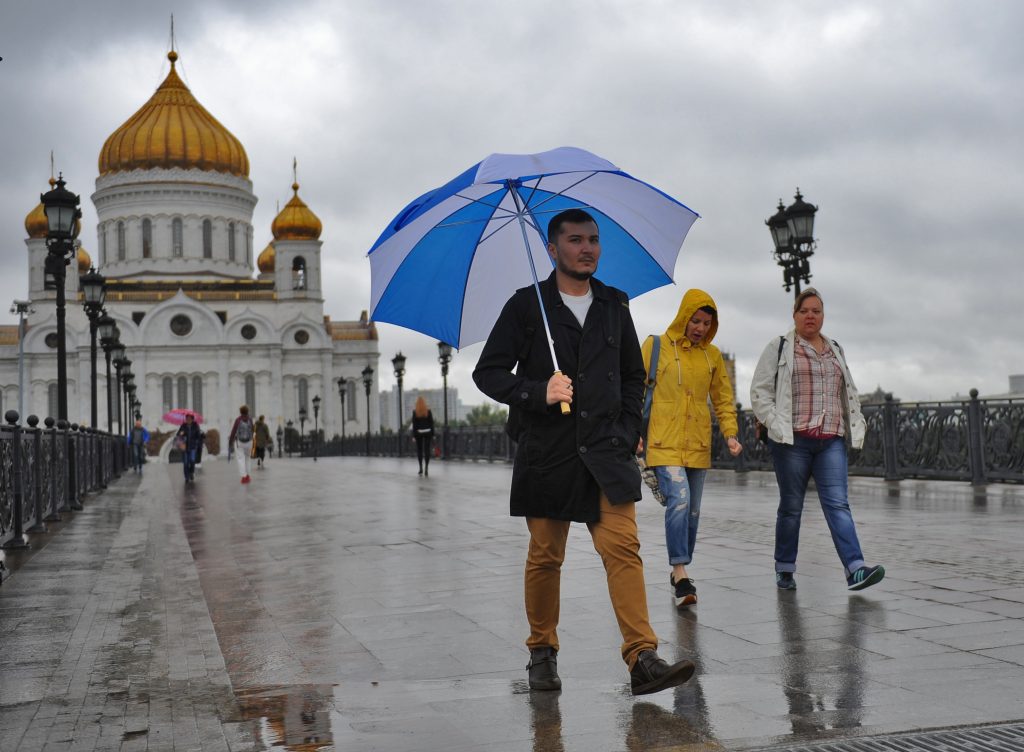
47,470
980,441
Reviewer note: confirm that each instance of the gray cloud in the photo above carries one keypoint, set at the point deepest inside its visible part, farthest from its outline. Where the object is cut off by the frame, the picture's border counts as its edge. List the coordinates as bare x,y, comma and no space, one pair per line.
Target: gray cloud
899,120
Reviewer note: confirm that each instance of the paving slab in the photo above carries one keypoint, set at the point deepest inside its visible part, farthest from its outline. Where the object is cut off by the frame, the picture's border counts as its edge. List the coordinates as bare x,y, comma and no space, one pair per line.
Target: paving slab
351,604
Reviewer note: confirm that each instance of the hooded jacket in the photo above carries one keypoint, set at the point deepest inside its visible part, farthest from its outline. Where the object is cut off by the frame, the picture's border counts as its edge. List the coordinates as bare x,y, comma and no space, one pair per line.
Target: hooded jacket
679,433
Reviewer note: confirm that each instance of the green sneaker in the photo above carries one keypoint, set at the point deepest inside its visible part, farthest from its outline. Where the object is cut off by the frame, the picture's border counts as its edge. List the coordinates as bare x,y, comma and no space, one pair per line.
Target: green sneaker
785,580
865,577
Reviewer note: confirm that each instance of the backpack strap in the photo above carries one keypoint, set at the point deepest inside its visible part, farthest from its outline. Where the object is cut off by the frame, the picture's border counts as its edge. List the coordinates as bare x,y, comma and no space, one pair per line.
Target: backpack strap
778,357
652,378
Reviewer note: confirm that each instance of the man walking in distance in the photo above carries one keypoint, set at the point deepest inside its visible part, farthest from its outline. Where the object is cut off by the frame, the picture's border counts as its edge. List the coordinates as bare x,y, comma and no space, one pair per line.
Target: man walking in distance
241,436
577,467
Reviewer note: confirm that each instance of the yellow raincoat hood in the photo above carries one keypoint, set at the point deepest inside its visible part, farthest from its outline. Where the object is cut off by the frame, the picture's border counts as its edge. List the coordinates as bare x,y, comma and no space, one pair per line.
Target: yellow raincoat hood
692,300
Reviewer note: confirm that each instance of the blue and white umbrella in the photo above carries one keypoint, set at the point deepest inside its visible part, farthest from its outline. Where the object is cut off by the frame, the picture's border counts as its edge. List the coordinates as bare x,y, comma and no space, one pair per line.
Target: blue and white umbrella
448,262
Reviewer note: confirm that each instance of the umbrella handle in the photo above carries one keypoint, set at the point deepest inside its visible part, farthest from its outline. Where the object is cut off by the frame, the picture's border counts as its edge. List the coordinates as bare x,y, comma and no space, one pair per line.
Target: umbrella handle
564,405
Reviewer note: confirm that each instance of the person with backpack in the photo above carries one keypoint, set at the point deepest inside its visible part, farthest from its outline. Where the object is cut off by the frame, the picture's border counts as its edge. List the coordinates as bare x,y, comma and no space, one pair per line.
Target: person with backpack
684,371
803,394
242,432
138,437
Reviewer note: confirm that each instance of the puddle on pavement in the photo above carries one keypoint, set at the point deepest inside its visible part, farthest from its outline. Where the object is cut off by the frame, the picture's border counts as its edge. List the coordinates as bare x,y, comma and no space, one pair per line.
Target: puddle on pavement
295,718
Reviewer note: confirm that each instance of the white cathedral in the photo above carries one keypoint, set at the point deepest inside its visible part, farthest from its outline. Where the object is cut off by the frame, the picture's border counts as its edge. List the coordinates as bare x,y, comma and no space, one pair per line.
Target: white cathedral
175,243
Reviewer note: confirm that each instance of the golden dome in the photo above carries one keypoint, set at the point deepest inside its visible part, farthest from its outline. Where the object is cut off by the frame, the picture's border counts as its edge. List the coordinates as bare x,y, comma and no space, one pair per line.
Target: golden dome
84,261
173,130
296,221
35,221
265,261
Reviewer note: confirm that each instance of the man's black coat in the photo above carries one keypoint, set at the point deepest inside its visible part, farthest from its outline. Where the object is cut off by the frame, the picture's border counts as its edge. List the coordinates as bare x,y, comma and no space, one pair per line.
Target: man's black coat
562,462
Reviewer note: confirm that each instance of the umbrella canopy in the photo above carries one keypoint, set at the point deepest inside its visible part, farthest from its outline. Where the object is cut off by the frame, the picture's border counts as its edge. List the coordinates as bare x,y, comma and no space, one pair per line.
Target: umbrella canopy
177,416
448,262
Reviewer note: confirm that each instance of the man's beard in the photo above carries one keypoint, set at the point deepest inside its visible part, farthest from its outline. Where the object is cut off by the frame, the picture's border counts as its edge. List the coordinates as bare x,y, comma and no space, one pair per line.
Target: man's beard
579,275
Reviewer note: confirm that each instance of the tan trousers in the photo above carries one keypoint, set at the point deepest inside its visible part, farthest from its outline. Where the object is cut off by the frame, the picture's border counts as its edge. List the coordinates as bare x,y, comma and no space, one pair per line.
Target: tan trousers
615,539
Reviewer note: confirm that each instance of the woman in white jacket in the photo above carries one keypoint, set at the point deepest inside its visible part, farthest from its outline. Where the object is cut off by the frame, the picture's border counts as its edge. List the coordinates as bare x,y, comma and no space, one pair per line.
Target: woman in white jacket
803,394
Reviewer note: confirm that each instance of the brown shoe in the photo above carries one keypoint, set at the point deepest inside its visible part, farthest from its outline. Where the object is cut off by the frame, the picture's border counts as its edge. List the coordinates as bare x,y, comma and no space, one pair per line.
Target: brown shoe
651,674
543,668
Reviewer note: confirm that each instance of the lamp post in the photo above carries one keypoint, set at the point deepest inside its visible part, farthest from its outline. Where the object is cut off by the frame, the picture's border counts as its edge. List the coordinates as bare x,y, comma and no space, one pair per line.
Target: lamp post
280,441
444,357
792,230
342,388
127,379
316,426
108,332
61,207
399,363
291,427
22,308
117,353
303,414
94,293
368,384
137,408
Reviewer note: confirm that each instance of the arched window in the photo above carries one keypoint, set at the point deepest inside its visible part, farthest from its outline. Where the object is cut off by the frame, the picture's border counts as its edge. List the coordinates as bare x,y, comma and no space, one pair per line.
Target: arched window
303,395
299,273
51,401
207,239
177,241
231,241
121,251
147,239
250,393
168,395
197,393
350,401
182,392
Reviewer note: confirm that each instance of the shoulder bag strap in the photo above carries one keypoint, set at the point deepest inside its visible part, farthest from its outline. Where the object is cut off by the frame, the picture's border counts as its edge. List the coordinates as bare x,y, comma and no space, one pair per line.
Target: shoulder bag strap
652,377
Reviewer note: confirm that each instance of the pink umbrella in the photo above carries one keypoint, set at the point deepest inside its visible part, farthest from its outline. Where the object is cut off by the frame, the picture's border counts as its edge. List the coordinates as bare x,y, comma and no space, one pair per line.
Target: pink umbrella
177,416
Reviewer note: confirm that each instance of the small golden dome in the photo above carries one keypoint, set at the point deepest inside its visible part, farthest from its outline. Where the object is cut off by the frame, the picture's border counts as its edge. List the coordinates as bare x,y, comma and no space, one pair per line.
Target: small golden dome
265,261
35,221
296,221
173,130
84,261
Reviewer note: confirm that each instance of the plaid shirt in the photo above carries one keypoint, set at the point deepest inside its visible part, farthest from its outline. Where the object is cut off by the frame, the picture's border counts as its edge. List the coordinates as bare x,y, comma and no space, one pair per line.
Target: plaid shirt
817,391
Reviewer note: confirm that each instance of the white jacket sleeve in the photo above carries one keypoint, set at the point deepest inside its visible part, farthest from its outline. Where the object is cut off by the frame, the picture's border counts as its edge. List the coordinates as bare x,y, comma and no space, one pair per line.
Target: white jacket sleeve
762,386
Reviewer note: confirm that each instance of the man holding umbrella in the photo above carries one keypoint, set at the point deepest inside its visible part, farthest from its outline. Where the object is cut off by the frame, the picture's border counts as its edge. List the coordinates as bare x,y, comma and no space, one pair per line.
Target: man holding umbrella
577,467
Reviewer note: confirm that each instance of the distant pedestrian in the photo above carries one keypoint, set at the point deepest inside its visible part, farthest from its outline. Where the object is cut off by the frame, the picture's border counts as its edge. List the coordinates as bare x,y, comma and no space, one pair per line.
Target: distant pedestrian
241,437
261,441
803,394
423,433
189,440
577,467
138,437
690,372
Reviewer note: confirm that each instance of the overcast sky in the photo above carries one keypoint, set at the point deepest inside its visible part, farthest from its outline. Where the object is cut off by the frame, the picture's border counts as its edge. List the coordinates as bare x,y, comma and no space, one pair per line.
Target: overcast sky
900,120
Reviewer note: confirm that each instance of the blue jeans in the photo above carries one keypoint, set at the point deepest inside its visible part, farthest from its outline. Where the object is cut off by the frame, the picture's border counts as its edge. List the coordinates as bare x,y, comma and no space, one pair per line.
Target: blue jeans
138,456
682,488
188,460
795,464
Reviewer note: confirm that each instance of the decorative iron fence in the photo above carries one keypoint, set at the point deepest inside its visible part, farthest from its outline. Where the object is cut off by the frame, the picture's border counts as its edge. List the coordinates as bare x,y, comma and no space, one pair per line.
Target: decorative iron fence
47,470
980,441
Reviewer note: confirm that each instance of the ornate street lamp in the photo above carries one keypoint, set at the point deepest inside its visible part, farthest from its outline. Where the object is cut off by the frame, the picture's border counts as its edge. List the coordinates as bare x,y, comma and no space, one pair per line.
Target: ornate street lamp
137,409
94,293
61,207
444,357
342,388
108,332
280,441
291,427
127,379
792,231
316,427
368,384
399,363
118,358
303,414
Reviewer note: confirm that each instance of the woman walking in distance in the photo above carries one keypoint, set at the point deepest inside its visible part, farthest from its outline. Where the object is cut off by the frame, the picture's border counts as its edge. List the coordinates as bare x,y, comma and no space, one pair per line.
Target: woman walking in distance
242,432
423,433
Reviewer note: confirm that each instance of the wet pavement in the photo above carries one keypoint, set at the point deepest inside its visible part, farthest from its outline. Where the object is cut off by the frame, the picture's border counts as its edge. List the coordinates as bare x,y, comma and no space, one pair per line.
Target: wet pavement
350,604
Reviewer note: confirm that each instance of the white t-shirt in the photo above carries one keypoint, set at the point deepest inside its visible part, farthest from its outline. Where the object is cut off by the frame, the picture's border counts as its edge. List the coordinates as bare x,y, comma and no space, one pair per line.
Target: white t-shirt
578,304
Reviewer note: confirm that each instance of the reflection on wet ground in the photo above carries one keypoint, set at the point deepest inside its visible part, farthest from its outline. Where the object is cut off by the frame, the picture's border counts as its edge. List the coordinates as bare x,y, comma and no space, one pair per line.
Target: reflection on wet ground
352,604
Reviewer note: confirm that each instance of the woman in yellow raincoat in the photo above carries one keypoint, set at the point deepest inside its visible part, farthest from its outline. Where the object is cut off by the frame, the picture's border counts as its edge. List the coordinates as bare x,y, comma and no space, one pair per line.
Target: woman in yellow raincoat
690,371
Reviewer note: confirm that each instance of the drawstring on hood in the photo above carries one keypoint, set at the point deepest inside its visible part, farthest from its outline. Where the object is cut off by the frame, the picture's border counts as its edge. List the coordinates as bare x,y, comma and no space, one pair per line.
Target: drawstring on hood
692,301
